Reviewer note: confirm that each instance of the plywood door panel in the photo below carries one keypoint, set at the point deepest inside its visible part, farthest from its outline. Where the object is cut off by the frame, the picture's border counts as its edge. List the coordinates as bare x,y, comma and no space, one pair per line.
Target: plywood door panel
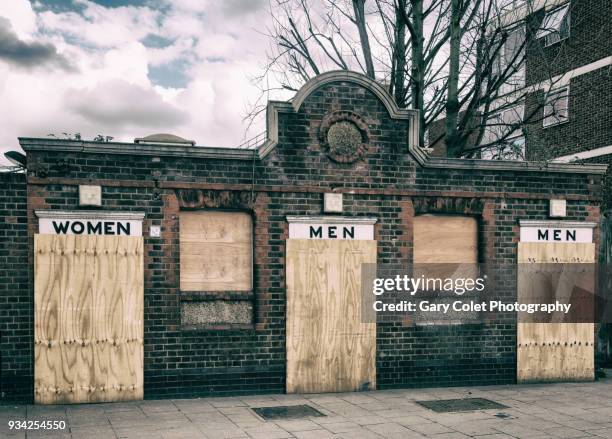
554,351
216,252
121,266
329,349
88,314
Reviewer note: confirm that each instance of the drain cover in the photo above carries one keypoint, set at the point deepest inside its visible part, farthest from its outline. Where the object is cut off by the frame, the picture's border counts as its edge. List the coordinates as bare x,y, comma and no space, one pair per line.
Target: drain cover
460,405
287,412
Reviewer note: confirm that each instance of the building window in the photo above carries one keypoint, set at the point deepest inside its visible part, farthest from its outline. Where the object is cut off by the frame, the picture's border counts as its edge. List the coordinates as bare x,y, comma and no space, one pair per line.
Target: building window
216,270
556,107
445,247
509,61
503,135
555,26
216,251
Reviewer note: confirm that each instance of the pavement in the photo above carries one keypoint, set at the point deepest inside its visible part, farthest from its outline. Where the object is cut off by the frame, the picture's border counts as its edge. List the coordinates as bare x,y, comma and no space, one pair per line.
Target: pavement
563,410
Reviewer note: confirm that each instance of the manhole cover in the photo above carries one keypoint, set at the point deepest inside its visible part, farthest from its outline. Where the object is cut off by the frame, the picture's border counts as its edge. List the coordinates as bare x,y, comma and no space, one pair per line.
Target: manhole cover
287,412
460,405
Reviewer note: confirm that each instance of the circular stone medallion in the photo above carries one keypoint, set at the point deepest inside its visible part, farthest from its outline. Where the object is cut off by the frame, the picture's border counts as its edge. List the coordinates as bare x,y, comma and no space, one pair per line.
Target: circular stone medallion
344,136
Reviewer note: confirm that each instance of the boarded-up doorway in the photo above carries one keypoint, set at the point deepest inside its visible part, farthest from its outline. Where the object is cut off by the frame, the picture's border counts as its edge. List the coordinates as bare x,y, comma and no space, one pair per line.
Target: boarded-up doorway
554,351
329,349
88,314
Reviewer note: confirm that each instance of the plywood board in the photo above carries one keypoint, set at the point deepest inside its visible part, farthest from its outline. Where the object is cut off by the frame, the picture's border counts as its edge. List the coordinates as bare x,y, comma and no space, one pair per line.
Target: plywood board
445,246
329,349
554,351
88,318
216,251
445,239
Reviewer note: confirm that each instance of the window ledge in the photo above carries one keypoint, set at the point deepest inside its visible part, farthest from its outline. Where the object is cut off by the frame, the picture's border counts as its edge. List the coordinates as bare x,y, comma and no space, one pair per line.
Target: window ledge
563,122
546,44
218,327
201,296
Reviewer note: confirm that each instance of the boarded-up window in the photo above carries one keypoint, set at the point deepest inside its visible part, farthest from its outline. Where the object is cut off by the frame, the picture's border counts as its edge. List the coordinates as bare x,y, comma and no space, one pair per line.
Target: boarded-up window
445,247
441,239
216,251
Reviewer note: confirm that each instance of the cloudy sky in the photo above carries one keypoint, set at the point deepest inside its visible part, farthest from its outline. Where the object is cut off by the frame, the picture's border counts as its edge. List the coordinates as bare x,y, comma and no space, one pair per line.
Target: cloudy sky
129,68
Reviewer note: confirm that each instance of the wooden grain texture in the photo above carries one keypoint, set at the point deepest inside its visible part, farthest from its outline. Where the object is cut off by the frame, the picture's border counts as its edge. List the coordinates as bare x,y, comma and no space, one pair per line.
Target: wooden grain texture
216,251
329,349
445,247
445,239
88,318
553,351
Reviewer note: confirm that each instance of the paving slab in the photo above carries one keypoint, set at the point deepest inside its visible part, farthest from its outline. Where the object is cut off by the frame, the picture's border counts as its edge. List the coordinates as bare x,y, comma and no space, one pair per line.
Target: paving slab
389,428
294,425
561,410
315,434
431,429
342,427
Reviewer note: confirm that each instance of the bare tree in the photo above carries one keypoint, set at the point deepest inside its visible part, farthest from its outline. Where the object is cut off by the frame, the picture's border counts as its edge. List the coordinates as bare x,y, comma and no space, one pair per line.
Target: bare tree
459,61
452,100
364,38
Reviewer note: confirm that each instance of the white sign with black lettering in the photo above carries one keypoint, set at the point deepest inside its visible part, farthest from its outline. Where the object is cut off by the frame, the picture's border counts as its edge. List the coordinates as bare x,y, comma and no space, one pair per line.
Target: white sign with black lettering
556,231
331,227
89,223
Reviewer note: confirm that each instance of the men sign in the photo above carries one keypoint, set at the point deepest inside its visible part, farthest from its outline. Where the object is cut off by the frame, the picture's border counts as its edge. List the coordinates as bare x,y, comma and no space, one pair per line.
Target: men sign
331,227
89,223
556,231
332,232
568,235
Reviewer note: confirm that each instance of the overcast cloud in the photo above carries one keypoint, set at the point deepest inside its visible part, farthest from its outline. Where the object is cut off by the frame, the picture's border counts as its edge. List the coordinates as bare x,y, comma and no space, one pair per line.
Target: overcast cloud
138,107
130,68
27,54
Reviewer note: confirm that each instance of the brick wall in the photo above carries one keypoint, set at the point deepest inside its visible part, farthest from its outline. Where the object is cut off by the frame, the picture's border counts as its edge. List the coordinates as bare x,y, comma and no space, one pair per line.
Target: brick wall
590,119
589,41
590,102
387,183
606,204
15,299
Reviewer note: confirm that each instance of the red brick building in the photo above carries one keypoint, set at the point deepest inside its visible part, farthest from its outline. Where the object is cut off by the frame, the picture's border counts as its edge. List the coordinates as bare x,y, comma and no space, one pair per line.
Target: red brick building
341,134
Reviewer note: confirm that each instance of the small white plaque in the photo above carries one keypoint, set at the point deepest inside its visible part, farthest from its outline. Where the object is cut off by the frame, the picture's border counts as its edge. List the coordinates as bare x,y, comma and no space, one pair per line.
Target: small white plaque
155,231
332,203
557,209
90,195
